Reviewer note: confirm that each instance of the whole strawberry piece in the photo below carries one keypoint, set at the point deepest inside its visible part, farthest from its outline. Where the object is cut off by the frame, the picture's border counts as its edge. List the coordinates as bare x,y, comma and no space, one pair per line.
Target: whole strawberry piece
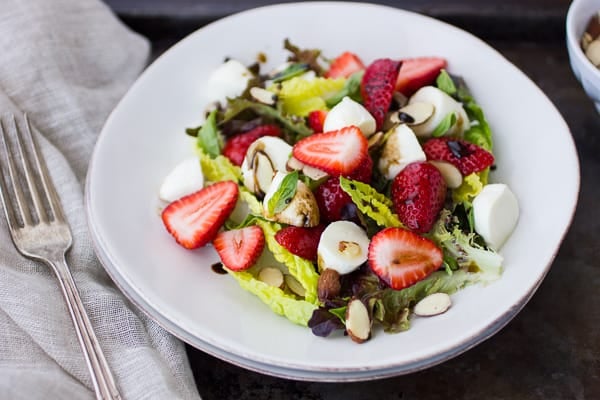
334,203
466,156
418,193
240,248
316,119
418,72
344,65
236,147
300,241
377,87
401,258
336,152
194,220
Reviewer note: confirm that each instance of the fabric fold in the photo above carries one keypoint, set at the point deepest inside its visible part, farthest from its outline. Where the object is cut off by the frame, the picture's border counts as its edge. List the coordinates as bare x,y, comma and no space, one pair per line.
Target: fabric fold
66,63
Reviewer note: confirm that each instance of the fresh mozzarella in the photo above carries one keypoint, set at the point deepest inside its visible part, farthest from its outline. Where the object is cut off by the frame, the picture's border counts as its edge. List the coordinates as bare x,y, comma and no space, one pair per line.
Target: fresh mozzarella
444,105
344,246
229,80
184,179
401,148
495,213
302,210
348,112
264,157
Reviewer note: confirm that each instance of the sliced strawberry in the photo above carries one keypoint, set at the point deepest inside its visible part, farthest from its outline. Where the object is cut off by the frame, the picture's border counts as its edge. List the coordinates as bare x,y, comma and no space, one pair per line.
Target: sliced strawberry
240,248
418,72
195,219
316,119
466,156
418,193
335,204
300,241
344,65
236,147
336,152
401,258
377,87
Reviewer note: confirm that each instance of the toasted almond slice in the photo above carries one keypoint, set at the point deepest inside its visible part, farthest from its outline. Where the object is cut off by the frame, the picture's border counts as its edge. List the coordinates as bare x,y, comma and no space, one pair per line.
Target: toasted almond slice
376,140
415,113
271,276
358,321
263,96
295,286
434,304
451,174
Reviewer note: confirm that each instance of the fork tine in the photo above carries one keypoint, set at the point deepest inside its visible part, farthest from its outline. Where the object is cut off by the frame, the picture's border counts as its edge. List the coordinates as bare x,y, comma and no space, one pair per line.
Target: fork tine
12,212
49,190
21,140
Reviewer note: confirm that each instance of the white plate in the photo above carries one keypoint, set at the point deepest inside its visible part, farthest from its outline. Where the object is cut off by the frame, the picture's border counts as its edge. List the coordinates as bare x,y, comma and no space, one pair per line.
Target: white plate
143,139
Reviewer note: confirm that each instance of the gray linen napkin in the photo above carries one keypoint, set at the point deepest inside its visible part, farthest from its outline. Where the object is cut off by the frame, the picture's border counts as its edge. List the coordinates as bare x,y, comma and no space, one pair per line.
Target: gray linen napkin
66,63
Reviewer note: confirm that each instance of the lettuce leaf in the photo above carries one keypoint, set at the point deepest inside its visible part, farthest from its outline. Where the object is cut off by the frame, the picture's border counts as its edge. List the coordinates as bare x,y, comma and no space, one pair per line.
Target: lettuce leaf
297,311
299,96
470,187
370,202
300,268
463,248
392,307
218,168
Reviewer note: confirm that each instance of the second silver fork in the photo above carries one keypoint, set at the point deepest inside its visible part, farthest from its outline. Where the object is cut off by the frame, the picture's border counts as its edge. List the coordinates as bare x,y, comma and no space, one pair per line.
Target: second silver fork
40,232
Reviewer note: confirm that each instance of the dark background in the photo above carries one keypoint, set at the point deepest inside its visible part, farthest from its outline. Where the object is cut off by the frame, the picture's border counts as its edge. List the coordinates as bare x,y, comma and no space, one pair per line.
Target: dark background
551,350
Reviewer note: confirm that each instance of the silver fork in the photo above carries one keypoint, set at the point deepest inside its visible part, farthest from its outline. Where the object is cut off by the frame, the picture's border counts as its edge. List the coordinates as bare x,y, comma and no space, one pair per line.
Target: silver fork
40,232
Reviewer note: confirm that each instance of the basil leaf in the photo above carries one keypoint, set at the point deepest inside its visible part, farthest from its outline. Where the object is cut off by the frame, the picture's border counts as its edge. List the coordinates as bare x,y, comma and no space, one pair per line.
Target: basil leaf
284,194
351,89
208,136
443,127
445,83
290,72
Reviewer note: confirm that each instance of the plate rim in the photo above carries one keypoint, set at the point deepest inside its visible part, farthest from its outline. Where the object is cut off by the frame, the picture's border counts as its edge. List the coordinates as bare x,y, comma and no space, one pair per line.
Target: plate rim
291,370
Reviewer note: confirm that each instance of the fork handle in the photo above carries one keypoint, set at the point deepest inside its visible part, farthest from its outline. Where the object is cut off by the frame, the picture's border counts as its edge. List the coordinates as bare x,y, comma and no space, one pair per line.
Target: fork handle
102,378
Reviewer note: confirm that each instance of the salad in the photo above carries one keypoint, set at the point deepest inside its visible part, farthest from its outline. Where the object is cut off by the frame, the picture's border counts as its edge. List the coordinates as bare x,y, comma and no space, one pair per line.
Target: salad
343,194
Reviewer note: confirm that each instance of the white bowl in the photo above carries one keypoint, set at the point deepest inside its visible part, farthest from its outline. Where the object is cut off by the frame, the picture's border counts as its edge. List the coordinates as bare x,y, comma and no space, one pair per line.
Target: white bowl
144,137
578,17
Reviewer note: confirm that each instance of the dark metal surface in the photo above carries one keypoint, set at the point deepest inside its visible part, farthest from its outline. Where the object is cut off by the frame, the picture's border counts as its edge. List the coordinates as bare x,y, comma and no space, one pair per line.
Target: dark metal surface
514,19
551,350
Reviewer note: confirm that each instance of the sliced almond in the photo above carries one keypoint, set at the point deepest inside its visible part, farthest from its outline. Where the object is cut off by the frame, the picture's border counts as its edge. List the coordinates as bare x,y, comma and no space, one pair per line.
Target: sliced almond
313,173
434,304
415,113
271,276
376,140
263,171
358,322
449,172
295,286
263,96
329,284
593,52
293,164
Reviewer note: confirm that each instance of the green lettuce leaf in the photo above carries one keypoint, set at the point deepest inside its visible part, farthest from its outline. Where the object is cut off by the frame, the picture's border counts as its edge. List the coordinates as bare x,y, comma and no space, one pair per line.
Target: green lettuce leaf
392,307
464,249
297,311
370,202
470,187
208,138
351,89
218,168
300,268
